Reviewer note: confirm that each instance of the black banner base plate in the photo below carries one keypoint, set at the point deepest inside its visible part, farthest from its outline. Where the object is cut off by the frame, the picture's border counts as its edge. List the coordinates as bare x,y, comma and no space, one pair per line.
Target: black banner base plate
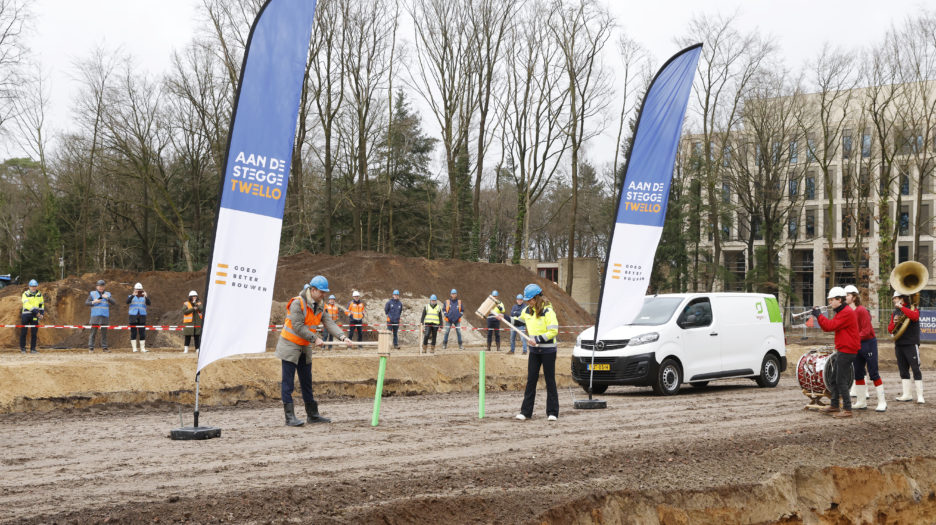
589,404
194,433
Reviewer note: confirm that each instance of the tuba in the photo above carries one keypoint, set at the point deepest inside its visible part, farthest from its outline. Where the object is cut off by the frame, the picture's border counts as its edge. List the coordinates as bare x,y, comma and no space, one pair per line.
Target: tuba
908,278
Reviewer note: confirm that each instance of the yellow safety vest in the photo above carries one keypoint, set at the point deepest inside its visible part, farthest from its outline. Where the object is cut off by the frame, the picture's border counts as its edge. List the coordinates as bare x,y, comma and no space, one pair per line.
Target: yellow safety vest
433,314
32,301
544,328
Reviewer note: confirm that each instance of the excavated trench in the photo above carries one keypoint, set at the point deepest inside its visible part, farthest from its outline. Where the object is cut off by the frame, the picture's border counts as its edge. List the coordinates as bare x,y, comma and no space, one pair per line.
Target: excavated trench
898,492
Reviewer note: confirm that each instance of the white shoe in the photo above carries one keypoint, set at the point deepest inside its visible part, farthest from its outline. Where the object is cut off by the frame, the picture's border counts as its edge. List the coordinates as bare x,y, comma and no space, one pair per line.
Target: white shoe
521,417
906,395
143,346
185,350
861,400
919,391
133,344
882,404
552,418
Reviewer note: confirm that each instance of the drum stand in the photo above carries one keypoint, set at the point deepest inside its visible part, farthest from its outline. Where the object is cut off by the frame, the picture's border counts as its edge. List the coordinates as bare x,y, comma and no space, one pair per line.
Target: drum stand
815,400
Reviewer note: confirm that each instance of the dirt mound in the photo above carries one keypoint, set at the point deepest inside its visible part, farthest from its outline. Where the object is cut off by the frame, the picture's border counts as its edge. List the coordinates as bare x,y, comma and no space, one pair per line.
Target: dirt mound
374,275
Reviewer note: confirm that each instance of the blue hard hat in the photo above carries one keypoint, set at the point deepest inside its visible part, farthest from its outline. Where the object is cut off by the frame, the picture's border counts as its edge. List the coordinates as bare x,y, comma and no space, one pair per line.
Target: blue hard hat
319,282
531,291
454,291
33,282
331,296
494,293
520,296
433,297
396,292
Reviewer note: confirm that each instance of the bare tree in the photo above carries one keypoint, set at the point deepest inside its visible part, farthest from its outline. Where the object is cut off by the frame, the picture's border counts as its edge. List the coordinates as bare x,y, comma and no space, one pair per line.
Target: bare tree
13,16
581,28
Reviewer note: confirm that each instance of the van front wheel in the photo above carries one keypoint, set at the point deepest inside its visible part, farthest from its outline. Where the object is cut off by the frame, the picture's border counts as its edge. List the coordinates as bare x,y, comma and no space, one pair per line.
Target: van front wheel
668,379
769,373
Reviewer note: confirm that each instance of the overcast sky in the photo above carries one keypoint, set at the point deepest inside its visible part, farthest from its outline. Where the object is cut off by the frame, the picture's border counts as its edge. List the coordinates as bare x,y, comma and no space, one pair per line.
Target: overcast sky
64,31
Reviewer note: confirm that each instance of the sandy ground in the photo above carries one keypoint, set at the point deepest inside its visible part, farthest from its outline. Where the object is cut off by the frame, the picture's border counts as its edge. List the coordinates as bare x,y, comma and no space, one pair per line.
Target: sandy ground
431,460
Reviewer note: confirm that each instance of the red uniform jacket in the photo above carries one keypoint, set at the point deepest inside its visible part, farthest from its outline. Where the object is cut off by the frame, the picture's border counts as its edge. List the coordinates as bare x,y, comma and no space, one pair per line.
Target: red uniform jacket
865,330
913,315
845,325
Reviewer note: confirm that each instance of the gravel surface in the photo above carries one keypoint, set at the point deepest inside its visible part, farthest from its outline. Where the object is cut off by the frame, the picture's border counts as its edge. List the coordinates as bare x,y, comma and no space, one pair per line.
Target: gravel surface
431,460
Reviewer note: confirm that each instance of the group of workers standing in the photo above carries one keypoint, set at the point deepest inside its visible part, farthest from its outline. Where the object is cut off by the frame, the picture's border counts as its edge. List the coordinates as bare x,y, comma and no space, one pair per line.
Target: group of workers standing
310,320
101,301
857,350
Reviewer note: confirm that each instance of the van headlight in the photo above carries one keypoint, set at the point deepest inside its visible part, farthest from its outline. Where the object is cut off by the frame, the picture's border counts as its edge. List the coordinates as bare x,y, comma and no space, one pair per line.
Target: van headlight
643,339
578,341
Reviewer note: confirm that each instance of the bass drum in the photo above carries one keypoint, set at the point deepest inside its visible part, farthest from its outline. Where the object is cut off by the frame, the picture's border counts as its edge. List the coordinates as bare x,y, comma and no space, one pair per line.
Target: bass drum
813,372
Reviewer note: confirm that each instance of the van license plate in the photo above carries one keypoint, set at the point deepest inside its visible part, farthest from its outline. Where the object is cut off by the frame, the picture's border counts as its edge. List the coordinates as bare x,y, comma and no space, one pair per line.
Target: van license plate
600,366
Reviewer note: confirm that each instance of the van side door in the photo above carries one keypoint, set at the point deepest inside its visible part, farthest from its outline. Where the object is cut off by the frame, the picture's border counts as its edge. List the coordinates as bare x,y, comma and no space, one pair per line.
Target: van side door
699,338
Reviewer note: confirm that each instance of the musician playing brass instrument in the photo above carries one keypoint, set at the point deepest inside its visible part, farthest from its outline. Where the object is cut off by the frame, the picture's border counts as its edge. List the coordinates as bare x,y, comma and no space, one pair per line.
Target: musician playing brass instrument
907,345
847,344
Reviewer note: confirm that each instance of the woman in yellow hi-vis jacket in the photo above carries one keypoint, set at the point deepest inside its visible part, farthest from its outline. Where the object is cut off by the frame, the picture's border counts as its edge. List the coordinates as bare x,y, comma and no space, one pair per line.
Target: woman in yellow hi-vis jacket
542,326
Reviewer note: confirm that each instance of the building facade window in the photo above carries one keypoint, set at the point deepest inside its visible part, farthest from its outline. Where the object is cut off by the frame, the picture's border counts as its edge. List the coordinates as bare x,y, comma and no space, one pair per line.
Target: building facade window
792,228
905,220
794,188
794,152
810,224
810,186
865,145
847,144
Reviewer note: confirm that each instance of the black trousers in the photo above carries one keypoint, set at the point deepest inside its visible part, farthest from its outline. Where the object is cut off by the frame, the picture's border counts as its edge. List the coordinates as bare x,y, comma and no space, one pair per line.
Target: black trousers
844,372
28,318
493,330
188,339
353,326
137,330
908,357
548,362
431,331
290,371
395,327
867,358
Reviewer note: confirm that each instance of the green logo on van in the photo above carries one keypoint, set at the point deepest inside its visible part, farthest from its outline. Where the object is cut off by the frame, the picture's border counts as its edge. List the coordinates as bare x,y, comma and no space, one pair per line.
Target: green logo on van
773,309
760,308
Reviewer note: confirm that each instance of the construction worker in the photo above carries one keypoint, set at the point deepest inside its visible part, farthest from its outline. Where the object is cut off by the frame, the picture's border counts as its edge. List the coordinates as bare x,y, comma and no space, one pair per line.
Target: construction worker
453,315
431,319
516,319
304,313
100,302
493,325
138,302
32,312
333,311
542,325
355,311
394,309
193,311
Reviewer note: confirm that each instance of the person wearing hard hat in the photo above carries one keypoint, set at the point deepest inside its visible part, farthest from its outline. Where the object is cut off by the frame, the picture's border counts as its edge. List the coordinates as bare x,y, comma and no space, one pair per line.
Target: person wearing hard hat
907,347
867,356
355,311
847,344
304,314
453,314
516,319
542,326
138,301
394,310
493,325
431,319
33,310
100,302
331,310
193,312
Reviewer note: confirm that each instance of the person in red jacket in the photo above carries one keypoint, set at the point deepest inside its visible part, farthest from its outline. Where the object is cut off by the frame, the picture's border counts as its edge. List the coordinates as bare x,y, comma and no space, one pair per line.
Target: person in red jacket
907,348
867,357
847,344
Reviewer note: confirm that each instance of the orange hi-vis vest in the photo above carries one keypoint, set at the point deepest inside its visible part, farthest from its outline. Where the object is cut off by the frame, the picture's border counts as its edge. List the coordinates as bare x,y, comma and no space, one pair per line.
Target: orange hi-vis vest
332,310
356,310
311,320
187,318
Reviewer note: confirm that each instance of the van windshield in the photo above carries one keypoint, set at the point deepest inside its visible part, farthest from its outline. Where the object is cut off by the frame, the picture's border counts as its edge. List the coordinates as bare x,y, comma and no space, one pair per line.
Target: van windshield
657,310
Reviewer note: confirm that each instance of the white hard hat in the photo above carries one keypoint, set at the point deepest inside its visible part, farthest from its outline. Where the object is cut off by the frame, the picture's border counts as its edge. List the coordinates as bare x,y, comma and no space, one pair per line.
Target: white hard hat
897,294
138,286
355,294
836,291
193,292
851,288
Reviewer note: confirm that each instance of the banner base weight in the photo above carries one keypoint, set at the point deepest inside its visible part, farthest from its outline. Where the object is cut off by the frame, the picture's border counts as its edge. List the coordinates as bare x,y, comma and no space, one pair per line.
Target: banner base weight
194,433
589,404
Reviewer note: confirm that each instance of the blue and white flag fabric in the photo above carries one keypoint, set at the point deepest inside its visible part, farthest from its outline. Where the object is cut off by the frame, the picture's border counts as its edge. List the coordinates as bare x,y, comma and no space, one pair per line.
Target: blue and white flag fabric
256,173
644,194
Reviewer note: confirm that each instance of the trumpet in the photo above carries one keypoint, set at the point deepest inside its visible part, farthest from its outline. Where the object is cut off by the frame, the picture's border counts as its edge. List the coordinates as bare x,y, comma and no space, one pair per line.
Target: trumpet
802,316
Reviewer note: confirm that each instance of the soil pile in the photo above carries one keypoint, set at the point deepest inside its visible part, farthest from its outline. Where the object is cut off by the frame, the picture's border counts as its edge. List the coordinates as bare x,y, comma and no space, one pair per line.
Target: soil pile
374,275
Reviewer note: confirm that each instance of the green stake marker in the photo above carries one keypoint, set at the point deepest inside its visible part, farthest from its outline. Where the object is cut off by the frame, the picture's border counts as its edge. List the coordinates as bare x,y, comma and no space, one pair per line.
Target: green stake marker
380,377
481,386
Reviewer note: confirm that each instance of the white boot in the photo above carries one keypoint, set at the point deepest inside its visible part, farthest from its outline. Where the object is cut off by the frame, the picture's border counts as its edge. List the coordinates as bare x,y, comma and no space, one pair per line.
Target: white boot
854,391
906,395
882,404
861,400
133,344
185,351
919,391
143,346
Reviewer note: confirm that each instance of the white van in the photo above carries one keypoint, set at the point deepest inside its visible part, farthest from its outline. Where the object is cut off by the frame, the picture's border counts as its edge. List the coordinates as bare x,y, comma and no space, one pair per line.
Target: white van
688,338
